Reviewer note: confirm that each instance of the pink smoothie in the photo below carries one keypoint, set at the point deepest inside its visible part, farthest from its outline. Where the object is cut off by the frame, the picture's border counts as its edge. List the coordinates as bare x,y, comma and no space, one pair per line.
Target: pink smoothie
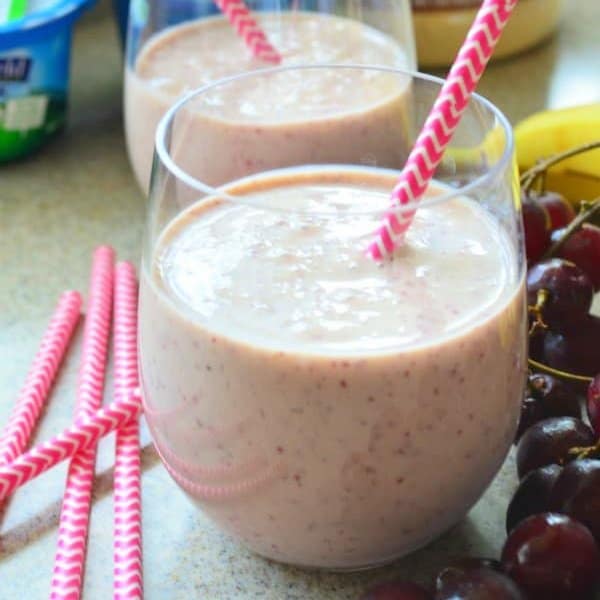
188,56
325,409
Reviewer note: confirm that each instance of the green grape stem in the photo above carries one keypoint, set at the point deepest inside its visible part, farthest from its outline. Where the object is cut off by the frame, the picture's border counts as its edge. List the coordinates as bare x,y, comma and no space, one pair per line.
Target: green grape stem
542,368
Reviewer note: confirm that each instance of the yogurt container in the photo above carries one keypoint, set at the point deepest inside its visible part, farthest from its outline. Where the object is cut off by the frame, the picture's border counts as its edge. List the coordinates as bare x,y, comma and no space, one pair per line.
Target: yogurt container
34,74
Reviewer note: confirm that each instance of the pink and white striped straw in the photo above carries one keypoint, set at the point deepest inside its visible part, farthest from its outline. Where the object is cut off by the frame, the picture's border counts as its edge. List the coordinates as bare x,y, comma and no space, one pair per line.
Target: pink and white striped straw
128,581
441,123
74,517
38,383
82,435
239,16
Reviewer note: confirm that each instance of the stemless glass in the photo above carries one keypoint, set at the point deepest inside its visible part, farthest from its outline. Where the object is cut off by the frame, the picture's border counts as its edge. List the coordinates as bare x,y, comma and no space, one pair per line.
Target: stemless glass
324,409
175,46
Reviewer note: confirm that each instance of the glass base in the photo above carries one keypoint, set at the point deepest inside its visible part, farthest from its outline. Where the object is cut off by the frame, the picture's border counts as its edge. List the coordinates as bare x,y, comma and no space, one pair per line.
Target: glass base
376,564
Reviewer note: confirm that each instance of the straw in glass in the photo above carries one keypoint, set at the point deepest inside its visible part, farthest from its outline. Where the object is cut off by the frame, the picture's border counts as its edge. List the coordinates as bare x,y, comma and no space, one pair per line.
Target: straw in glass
38,383
239,16
128,582
441,123
79,437
74,517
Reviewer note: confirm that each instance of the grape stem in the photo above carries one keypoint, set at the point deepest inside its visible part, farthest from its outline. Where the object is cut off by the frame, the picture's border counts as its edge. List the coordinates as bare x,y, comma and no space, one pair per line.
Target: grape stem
535,310
589,211
538,366
581,452
528,178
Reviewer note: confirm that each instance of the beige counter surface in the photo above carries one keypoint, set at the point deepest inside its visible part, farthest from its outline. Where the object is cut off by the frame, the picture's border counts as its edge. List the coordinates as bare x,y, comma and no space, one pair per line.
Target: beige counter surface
55,207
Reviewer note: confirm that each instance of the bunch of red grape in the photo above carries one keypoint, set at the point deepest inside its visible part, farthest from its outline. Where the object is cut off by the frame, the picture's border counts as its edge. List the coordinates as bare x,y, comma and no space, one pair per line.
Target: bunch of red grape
556,507
562,288
552,551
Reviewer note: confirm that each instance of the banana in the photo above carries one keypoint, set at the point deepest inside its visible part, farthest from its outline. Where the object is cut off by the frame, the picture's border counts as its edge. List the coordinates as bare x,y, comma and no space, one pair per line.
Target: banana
464,158
551,132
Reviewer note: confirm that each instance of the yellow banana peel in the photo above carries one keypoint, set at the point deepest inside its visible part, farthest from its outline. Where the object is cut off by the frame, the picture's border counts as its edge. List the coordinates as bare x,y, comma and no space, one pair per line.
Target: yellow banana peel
573,186
466,156
551,132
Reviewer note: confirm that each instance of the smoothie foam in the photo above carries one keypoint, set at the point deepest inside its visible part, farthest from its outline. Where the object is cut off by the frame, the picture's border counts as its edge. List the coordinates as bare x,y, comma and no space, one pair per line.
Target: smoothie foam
326,409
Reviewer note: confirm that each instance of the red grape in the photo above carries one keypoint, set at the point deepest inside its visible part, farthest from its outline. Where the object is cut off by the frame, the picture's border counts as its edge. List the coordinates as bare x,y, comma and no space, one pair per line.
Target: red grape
532,495
557,398
549,441
583,248
536,222
570,291
593,404
559,209
536,344
532,412
467,581
552,556
575,349
548,397
577,493
397,590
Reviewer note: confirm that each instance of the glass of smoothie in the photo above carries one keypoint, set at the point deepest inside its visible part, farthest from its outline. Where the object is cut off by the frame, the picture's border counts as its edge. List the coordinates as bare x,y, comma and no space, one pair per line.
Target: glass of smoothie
175,46
325,409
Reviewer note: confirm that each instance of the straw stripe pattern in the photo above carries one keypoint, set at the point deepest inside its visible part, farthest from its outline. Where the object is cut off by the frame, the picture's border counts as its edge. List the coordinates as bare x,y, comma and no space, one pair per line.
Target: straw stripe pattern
441,123
247,28
39,380
83,434
128,582
73,527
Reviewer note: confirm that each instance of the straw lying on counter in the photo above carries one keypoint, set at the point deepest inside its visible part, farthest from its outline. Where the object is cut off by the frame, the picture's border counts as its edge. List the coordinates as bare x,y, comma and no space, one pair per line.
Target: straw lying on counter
441,123
84,434
40,378
73,528
128,583
91,423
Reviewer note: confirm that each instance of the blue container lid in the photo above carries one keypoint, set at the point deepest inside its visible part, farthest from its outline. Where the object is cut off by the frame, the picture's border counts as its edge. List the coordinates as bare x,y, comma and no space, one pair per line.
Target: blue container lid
40,23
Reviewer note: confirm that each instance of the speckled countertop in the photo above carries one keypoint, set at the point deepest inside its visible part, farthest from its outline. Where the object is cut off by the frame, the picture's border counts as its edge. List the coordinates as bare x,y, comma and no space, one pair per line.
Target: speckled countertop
79,192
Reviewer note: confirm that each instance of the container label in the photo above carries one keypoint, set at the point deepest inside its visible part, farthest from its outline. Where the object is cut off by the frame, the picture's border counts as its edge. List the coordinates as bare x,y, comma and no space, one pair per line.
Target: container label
15,68
25,113
33,93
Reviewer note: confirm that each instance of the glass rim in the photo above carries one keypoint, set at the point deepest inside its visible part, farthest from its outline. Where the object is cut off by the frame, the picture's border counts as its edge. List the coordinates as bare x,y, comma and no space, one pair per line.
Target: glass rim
174,169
